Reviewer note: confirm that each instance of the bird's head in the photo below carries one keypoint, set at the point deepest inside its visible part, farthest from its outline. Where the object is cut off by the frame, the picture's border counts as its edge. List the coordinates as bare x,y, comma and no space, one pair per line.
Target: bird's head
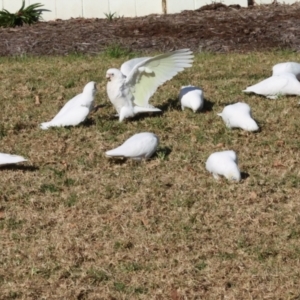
112,74
250,125
234,174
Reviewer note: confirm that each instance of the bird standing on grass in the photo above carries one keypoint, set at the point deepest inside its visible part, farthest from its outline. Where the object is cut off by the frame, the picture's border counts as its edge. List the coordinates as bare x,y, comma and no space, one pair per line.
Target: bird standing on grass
130,93
76,110
192,97
238,115
277,85
224,163
139,146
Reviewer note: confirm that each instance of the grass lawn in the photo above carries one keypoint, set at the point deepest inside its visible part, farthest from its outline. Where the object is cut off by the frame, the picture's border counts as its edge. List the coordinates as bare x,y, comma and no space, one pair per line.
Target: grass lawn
76,225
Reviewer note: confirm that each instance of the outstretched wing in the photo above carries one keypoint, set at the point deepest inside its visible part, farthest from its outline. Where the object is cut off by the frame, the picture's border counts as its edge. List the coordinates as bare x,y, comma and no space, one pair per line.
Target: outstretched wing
127,66
148,75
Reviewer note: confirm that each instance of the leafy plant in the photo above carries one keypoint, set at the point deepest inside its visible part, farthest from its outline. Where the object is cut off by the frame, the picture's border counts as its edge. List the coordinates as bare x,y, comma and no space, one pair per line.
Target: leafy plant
28,15
110,16
116,51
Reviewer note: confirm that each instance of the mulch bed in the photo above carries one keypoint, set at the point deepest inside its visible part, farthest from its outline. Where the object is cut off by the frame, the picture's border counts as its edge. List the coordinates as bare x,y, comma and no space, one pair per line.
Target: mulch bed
215,28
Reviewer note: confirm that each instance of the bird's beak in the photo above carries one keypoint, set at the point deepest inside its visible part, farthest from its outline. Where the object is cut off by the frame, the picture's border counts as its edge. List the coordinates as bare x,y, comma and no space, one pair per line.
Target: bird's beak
107,76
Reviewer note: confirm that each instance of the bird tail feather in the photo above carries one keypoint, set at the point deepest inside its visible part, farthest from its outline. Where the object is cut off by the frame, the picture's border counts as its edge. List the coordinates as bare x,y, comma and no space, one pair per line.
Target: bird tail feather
45,125
247,91
114,153
140,109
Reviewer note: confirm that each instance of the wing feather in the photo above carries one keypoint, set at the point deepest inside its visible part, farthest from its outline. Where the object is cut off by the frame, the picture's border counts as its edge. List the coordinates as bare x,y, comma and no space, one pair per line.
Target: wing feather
149,74
129,65
68,105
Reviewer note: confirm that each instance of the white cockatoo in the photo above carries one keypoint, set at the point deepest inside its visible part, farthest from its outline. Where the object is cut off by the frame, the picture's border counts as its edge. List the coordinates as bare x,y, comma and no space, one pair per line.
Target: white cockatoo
8,159
274,86
192,97
75,110
238,115
130,93
139,146
224,163
287,67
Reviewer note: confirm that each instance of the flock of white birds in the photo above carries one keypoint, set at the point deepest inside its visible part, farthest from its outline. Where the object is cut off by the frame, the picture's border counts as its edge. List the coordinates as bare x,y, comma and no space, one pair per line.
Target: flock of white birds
130,88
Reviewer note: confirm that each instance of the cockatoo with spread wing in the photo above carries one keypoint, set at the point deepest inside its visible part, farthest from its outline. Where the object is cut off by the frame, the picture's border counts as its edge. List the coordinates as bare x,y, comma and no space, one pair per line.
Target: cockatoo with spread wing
130,93
8,159
75,110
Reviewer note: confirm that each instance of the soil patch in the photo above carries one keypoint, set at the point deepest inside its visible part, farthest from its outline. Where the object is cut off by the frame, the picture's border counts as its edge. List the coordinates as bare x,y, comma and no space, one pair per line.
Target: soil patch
215,28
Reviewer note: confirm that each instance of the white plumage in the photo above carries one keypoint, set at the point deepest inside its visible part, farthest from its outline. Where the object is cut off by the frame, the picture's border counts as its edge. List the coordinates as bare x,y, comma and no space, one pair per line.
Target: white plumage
127,66
8,159
224,163
76,110
274,86
130,93
287,67
192,97
238,115
139,146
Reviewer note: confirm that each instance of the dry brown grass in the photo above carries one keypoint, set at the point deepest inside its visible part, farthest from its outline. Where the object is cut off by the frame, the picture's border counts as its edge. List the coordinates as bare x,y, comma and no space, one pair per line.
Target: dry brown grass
75,225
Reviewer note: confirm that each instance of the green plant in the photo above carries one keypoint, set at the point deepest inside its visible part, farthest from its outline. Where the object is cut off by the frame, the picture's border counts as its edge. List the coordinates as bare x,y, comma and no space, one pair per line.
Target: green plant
28,15
116,51
110,16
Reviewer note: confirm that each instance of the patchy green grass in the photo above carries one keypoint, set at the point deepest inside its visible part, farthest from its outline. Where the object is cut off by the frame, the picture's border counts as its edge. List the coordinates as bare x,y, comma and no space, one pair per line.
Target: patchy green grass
75,225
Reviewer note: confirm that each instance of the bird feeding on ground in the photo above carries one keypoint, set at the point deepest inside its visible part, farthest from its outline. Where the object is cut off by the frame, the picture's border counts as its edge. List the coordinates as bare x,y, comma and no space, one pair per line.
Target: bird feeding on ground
224,163
139,146
192,97
238,115
130,93
277,85
76,110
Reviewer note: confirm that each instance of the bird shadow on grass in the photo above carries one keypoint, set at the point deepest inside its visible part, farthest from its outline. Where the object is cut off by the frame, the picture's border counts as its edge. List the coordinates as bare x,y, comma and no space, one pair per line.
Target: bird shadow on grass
97,107
175,105
162,153
244,175
208,105
170,104
19,168
127,160
133,119
117,160
143,116
89,122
